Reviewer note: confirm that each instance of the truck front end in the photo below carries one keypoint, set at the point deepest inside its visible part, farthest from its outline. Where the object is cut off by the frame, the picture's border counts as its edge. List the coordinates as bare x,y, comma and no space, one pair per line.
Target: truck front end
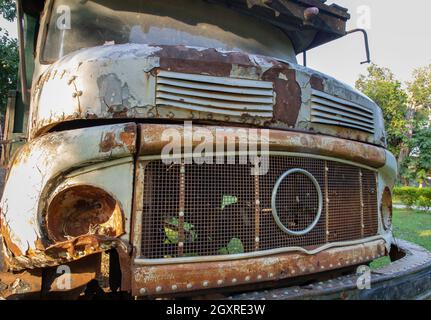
194,149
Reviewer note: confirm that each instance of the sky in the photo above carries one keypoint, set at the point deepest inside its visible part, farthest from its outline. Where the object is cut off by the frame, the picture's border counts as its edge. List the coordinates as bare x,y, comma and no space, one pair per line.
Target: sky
399,33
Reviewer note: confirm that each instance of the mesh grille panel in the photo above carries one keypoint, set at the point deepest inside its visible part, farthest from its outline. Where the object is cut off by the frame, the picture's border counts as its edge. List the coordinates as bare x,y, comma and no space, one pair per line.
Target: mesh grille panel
212,209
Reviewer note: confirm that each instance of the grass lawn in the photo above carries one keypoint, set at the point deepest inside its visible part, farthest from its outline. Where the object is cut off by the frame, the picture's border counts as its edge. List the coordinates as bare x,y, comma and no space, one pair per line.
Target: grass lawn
410,225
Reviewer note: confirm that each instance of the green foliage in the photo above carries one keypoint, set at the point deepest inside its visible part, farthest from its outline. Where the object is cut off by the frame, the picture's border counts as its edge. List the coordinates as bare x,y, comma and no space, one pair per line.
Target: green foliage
234,246
410,225
8,55
411,196
382,87
407,114
228,201
171,229
420,87
8,9
417,167
8,67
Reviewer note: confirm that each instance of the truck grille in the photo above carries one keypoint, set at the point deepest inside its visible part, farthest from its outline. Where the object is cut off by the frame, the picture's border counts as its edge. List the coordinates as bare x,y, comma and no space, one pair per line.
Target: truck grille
227,96
193,210
327,109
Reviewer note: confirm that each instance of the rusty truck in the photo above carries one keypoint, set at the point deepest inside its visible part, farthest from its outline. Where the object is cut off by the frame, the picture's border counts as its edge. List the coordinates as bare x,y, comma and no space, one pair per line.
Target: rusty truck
90,205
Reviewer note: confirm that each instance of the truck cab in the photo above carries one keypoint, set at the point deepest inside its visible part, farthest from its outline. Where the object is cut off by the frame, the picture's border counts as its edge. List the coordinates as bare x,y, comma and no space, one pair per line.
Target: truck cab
178,148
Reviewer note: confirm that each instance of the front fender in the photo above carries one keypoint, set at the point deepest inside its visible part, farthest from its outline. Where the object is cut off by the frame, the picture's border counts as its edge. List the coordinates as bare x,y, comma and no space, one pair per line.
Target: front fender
40,166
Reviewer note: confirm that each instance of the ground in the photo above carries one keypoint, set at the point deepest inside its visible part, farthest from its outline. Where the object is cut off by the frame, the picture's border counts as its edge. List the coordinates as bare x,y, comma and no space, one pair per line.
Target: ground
413,226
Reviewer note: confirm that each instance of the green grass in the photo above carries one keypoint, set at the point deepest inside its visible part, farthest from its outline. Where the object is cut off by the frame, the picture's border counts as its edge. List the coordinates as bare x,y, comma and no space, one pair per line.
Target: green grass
410,225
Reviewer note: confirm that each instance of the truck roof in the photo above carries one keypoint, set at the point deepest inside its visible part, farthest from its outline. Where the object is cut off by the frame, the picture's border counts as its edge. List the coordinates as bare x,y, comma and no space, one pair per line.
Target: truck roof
308,23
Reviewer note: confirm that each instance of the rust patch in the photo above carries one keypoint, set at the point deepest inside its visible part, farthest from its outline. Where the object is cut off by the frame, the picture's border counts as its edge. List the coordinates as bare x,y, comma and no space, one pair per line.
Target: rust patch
84,210
109,142
128,137
208,61
152,144
317,83
8,241
118,114
288,94
158,280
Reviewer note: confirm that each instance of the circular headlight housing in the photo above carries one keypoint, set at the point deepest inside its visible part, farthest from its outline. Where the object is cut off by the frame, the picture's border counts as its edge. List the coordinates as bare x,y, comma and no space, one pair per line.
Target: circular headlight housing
83,210
386,209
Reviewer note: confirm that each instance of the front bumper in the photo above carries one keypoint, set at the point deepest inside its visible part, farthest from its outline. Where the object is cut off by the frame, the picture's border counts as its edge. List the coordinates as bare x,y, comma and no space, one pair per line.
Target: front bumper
181,278
409,277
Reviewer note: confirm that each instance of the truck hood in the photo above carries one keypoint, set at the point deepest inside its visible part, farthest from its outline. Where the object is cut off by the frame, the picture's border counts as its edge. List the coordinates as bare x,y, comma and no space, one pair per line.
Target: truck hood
136,81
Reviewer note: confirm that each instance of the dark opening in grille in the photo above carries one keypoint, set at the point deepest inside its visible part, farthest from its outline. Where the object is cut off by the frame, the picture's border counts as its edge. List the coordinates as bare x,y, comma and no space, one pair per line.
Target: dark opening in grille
194,210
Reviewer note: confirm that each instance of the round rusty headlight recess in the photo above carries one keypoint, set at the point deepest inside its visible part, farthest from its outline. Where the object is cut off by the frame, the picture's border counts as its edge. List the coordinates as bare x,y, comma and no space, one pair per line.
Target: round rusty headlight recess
386,209
84,210
303,200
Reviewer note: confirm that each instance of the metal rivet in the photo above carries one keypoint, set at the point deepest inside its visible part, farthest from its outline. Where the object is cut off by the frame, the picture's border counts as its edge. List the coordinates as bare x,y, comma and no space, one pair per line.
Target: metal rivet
181,214
330,266
189,286
205,283
159,289
180,244
271,275
322,267
257,239
259,277
247,278
234,280
293,271
220,282
174,287
143,291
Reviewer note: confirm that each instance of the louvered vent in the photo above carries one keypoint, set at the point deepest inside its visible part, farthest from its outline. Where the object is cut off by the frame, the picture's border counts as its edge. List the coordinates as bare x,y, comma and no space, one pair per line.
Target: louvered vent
330,110
227,96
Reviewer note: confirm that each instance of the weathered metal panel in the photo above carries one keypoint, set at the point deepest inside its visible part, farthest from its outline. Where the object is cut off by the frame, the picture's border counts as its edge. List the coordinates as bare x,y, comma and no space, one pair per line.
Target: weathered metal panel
169,279
38,169
153,141
120,82
406,278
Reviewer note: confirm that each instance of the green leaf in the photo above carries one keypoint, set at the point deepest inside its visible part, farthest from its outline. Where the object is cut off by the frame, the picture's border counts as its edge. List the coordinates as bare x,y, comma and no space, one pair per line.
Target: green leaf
235,246
228,200
172,233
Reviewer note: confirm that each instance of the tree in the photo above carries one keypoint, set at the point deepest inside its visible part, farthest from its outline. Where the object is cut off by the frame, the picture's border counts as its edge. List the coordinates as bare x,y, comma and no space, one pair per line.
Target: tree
8,55
8,67
8,9
382,87
418,165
